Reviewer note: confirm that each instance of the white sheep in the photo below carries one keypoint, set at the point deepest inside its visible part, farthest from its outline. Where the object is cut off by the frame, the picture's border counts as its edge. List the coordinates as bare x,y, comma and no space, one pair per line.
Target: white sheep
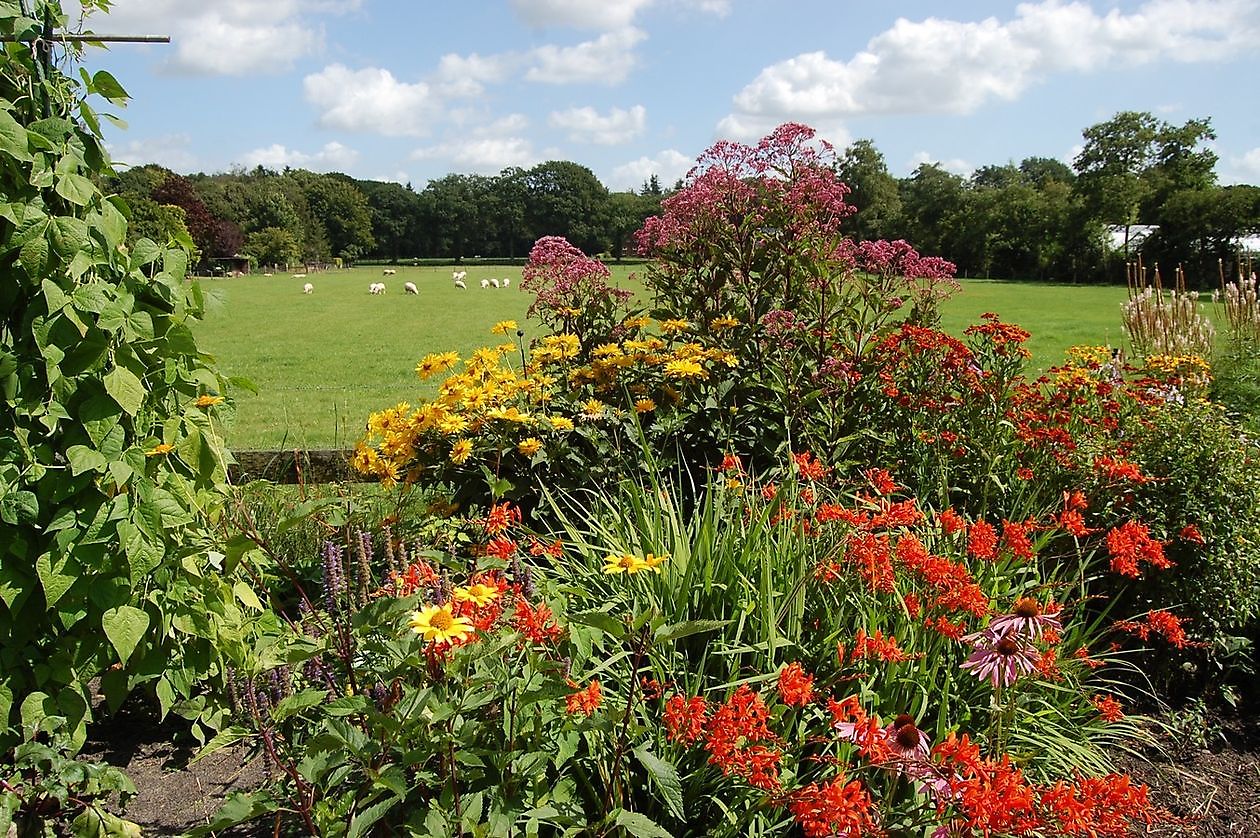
485,283
458,275
389,272
410,288
494,282
507,280
307,288
459,283
376,288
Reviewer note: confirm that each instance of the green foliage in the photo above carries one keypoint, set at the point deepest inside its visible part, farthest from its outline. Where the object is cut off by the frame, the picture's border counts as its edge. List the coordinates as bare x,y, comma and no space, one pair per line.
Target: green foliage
46,792
111,465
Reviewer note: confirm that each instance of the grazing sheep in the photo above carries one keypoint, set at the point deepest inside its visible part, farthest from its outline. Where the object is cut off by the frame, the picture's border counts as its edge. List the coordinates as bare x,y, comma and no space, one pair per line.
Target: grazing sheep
388,272
459,283
376,288
410,288
494,282
485,283
507,280
307,288
458,275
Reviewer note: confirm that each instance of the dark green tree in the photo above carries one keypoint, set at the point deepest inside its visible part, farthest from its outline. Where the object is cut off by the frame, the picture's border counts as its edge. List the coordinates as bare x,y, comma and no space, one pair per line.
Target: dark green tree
566,199
874,191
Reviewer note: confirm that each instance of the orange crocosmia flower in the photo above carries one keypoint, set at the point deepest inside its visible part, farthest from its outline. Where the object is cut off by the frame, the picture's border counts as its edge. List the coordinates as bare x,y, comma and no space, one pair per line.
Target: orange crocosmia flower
982,541
881,481
535,622
877,646
1131,543
501,516
837,807
586,700
809,468
1073,523
951,521
796,687
501,548
1015,537
1164,623
1191,533
1120,470
734,738
1108,708
685,718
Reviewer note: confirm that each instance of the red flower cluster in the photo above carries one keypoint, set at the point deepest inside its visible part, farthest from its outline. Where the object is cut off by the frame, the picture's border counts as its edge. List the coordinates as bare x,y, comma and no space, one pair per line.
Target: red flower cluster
1131,543
1162,623
874,646
586,700
535,622
1108,708
982,541
796,687
1120,470
836,807
735,734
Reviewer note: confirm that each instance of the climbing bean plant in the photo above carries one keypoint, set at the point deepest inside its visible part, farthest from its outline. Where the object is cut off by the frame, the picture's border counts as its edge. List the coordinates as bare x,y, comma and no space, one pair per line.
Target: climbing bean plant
111,469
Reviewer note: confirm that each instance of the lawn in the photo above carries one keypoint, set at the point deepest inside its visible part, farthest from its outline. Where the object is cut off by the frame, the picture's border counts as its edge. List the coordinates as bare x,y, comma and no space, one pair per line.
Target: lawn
323,361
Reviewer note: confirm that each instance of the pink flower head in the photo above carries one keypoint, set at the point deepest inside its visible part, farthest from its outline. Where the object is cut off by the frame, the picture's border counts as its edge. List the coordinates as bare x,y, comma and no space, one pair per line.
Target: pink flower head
1026,620
908,743
1001,658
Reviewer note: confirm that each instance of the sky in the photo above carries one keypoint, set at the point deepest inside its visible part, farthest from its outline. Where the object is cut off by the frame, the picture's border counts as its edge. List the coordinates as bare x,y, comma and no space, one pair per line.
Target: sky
413,91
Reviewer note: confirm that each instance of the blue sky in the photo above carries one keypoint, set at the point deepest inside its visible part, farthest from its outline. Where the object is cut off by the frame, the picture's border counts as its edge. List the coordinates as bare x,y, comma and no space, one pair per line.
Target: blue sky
411,91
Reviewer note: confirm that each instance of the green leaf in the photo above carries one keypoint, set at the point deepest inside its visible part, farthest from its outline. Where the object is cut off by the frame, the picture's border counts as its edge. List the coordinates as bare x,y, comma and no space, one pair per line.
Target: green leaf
296,703
125,388
69,235
665,777
674,631
600,620
225,738
13,141
53,580
144,251
108,86
125,627
82,459
76,189
640,826
34,256
364,820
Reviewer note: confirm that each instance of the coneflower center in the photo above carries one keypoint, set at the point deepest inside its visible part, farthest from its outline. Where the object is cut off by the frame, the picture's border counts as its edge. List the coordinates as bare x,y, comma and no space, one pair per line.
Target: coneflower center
1027,607
908,736
901,720
1006,647
442,620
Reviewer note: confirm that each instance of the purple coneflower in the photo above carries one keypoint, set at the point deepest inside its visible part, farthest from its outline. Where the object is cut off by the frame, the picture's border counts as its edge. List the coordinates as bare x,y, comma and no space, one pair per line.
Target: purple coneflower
1026,620
1001,658
906,740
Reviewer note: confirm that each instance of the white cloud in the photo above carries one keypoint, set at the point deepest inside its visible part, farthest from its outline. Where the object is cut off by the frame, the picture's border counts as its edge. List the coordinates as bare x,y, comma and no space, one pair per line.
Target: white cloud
583,14
486,147
169,150
668,166
954,164
372,100
1249,164
459,75
333,157
225,37
948,66
608,59
588,126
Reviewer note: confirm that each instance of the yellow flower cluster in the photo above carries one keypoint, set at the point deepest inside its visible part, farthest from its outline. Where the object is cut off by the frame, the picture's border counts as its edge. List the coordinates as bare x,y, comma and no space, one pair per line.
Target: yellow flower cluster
485,408
630,563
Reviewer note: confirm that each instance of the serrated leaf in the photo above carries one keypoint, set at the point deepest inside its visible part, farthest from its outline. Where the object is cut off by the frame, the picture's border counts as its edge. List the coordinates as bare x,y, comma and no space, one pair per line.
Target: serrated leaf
225,738
125,388
125,627
296,703
664,777
641,826
674,631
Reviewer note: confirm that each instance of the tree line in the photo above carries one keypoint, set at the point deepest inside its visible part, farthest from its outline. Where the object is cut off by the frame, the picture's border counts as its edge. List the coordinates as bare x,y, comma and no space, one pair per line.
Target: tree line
1038,219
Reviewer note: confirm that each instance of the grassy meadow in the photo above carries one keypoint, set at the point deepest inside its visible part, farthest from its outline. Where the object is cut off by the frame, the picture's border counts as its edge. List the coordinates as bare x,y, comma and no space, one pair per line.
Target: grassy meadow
323,361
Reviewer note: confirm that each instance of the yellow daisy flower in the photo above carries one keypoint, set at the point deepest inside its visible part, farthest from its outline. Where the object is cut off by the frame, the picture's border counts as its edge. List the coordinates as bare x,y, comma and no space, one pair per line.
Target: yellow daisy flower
624,563
644,406
685,369
561,423
719,324
673,327
461,451
208,401
436,362
504,327
159,450
477,593
529,446
436,624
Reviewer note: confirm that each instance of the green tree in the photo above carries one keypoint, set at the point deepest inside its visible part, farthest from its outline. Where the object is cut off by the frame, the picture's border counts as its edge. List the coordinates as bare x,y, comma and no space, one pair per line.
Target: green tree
273,246
394,209
874,191
342,212
566,199
934,216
